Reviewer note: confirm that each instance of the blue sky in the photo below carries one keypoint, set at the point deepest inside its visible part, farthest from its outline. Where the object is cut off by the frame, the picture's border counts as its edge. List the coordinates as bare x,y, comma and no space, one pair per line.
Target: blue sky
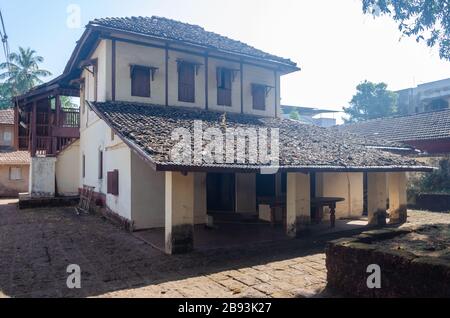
334,43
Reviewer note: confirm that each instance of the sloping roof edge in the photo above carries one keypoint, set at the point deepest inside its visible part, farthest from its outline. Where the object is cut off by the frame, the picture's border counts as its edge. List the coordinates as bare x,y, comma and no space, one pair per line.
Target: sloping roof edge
158,166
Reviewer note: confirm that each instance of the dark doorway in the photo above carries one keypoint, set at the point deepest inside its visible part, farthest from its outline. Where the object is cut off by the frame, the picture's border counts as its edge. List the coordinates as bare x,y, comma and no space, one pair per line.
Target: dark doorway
265,186
221,193
365,205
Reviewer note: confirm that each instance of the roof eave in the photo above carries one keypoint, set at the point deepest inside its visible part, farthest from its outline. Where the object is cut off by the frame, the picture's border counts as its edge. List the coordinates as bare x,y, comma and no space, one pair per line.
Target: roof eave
301,169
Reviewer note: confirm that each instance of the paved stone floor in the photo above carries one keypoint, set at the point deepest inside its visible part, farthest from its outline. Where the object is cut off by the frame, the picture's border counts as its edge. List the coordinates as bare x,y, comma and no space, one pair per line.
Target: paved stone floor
36,246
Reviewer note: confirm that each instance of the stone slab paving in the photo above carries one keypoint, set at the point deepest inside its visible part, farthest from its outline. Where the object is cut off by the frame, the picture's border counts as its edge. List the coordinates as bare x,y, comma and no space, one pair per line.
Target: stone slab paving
36,246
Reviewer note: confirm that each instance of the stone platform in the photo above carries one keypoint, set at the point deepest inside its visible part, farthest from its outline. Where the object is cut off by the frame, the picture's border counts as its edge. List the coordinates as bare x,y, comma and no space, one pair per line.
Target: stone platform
413,261
27,201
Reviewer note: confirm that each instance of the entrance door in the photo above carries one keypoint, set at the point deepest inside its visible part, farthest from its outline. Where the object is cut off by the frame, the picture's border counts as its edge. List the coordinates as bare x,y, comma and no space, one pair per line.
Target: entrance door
220,193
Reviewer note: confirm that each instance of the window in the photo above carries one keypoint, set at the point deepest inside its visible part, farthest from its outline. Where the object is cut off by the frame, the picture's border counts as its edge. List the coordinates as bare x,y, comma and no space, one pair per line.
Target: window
95,74
83,166
7,136
259,96
224,80
15,173
186,82
82,95
100,164
140,81
113,182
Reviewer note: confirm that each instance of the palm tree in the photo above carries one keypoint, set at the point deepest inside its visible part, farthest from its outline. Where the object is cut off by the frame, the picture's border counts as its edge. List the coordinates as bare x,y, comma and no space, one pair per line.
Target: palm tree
22,72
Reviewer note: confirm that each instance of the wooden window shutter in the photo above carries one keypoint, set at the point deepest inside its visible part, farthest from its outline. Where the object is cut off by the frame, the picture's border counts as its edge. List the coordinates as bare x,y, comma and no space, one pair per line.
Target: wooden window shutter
140,81
259,97
113,182
224,81
186,82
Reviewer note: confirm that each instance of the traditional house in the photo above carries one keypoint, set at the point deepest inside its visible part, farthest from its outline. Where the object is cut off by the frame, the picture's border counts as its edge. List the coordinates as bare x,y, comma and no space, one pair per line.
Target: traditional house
428,132
14,165
147,84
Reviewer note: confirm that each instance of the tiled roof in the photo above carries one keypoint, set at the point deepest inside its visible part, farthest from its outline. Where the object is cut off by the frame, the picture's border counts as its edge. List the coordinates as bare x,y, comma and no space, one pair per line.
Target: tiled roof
7,116
188,33
148,129
422,126
10,157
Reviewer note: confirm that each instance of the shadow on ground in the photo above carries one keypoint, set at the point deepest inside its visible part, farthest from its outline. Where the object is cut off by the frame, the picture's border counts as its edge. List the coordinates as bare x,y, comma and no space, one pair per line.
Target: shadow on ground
36,246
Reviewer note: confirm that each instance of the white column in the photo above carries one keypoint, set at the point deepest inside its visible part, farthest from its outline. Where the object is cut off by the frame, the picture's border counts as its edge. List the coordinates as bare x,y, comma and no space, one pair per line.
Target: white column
246,193
298,217
397,197
179,212
377,195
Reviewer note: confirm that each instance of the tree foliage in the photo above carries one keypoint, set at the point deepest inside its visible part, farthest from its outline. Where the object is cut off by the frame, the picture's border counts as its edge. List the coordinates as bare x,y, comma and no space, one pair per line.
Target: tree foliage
20,74
372,100
426,20
294,115
439,180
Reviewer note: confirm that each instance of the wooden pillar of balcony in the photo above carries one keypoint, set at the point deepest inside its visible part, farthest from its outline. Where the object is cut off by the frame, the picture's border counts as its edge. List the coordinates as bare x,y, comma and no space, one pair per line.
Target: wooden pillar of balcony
16,127
33,140
57,123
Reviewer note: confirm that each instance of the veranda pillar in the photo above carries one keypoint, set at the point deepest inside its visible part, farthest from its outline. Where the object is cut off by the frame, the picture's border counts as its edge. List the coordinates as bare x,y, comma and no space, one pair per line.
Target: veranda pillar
397,197
377,195
179,225
298,217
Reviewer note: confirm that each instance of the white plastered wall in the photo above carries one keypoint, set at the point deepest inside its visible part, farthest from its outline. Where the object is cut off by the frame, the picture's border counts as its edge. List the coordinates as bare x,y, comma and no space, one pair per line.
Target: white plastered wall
127,54
131,53
345,185
258,75
68,170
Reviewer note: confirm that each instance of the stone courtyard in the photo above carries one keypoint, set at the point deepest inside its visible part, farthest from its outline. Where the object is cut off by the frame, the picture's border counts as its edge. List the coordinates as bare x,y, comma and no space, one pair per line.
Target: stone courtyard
36,246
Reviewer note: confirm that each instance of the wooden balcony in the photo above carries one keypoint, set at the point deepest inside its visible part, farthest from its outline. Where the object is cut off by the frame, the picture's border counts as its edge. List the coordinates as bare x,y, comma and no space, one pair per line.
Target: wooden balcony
45,129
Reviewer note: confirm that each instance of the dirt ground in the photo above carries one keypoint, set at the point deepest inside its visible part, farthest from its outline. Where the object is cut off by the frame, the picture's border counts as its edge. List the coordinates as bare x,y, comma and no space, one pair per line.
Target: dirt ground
37,246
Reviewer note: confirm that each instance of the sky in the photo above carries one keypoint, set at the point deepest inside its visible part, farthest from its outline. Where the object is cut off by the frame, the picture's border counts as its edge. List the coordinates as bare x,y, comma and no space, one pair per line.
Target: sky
333,42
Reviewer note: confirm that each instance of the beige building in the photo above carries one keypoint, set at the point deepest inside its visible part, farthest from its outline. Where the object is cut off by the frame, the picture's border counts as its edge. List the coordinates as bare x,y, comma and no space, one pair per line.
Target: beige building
14,165
147,84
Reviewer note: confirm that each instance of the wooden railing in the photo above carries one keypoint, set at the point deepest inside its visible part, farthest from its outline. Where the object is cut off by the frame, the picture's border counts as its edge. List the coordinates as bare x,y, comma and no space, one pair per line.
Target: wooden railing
69,117
44,145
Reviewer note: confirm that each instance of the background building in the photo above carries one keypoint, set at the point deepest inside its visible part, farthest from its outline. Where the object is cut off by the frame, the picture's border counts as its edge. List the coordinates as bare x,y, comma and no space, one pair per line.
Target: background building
312,116
425,97
14,165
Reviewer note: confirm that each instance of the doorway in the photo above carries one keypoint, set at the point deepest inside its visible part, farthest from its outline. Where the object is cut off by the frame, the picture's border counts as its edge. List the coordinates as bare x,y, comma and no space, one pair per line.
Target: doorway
220,192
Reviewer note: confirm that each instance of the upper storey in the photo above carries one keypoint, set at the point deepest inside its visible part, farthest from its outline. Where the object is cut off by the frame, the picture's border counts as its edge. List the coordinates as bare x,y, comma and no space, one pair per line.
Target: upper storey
166,62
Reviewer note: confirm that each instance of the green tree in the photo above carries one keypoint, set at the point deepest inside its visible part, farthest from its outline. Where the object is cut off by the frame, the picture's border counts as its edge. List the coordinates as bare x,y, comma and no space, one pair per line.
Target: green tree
372,100
21,73
5,96
426,20
294,115
66,102
438,180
